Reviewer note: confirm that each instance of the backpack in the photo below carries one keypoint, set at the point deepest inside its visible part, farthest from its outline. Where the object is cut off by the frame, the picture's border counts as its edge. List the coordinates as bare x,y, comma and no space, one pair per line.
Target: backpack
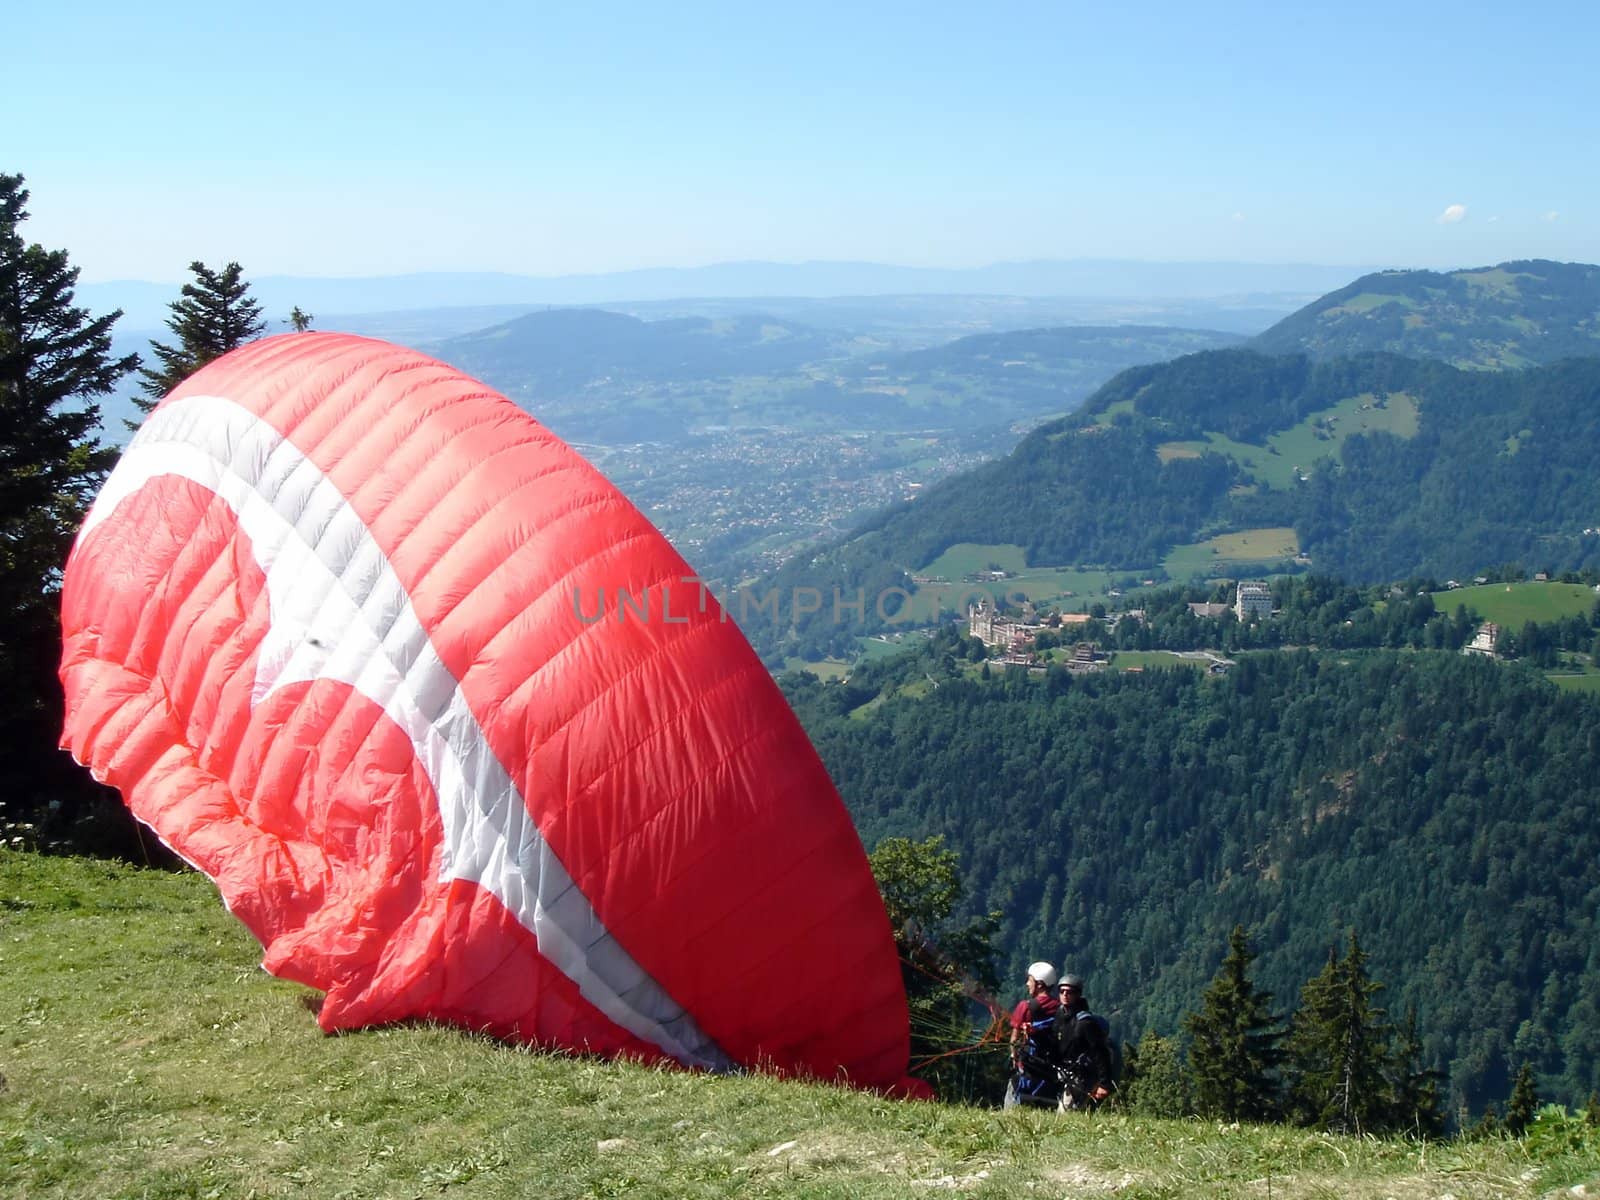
1042,1044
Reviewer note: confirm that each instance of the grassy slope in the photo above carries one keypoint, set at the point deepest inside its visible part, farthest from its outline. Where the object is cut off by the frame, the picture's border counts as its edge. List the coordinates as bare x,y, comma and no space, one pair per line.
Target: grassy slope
1293,451
145,1054
1514,604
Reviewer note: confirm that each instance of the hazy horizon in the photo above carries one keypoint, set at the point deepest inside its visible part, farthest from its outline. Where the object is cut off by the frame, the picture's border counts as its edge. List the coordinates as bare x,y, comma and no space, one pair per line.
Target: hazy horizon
369,140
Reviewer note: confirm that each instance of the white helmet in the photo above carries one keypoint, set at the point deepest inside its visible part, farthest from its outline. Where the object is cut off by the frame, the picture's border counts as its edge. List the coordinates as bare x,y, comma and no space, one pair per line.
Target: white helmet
1044,973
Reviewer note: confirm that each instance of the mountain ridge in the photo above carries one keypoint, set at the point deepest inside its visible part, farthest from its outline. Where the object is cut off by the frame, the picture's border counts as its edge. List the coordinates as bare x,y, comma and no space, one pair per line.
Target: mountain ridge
1518,313
144,302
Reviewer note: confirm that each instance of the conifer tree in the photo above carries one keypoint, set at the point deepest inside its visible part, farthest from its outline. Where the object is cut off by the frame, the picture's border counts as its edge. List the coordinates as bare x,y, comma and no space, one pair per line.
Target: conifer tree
1524,1102
300,321
54,359
1339,1049
1234,1052
1413,1086
214,314
1488,1125
1156,1083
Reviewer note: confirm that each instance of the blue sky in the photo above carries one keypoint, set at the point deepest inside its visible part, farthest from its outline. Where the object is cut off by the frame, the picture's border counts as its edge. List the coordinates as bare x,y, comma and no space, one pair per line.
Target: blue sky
547,140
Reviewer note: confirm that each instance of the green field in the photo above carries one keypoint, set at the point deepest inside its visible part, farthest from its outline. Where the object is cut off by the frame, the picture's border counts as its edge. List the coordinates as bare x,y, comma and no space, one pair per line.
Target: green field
828,668
887,646
1300,446
146,1054
1245,550
1515,604
1111,412
1073,590
1293,451
966,558
1367,301
1122,660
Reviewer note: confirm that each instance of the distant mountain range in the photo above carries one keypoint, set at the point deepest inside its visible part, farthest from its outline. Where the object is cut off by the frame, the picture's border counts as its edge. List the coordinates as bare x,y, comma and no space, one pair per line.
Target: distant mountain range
144,304
566,350
1517,314
598,375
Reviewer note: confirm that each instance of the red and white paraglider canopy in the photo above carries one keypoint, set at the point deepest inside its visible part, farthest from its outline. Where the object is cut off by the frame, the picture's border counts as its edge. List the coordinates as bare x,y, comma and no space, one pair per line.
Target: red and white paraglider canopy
456,733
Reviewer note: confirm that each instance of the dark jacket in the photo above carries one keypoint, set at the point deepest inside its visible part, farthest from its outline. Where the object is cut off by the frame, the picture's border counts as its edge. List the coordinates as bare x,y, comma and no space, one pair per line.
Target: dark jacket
1082,1045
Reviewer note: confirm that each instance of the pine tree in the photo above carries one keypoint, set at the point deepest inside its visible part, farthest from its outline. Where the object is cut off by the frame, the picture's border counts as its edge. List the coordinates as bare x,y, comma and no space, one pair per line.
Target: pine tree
1487,1126
1155,1083
1234,1052
1339,1049
214,314
300,321
1414,1087
1524,1102
54,359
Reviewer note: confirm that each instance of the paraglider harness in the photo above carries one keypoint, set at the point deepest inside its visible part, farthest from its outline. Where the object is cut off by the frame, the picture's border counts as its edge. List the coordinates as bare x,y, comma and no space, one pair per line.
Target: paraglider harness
1056,1066
1035,1076
1078,1035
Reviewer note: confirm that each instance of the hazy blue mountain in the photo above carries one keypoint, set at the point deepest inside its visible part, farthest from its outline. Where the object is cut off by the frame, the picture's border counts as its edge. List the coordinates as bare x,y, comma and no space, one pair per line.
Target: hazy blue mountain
599,375
1516,314
1026,373
144,303
1046,349
565,349
914,322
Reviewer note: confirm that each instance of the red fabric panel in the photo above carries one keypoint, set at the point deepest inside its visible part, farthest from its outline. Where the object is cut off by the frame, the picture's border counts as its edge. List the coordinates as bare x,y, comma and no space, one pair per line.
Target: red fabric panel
657,758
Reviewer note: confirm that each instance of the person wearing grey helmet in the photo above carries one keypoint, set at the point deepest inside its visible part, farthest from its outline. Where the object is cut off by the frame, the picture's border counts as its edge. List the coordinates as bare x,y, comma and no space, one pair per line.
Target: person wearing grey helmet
1083,1047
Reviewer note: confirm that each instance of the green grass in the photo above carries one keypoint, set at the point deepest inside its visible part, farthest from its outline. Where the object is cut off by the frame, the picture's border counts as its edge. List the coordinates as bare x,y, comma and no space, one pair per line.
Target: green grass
1123,659
1515,604
1072,589
1229,553
872,648
1038,584
1112,411
828,668
1496,279
1367,301
1293,451
1300,446
967,558
146,1055
1575,673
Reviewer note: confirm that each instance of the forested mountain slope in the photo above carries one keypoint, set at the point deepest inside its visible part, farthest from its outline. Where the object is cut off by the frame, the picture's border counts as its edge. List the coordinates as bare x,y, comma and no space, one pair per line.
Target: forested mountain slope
1384,467
1444,807
1516,314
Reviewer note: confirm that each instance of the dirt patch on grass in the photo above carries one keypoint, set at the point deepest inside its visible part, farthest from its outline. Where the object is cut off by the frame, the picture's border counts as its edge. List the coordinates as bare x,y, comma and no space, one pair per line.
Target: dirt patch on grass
1083,1177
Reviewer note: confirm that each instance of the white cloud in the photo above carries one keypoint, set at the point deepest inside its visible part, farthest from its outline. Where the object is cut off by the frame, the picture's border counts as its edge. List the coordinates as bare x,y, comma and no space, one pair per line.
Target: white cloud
1456,212
1238,218
1550,216
1493,219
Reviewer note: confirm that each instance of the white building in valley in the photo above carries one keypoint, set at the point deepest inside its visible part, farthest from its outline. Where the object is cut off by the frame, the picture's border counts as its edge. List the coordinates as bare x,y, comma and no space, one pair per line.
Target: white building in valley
1254,599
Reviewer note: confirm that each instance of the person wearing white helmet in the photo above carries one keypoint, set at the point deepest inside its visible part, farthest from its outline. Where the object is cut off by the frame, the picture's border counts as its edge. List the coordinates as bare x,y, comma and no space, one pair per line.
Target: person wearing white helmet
1032,1039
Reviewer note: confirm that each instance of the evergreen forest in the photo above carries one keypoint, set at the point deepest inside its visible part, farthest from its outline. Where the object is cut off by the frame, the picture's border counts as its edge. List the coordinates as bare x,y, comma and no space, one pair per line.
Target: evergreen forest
1442,807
